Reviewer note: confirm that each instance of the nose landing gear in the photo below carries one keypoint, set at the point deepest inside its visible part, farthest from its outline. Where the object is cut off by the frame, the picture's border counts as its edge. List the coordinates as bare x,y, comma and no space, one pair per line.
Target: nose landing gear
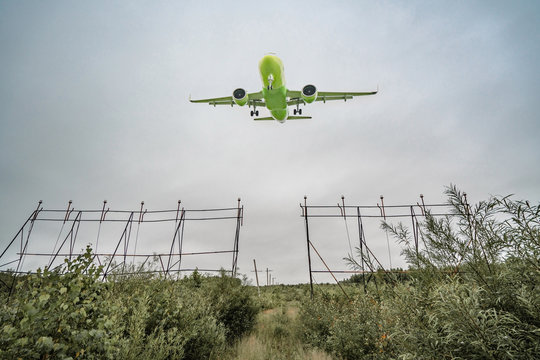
270,81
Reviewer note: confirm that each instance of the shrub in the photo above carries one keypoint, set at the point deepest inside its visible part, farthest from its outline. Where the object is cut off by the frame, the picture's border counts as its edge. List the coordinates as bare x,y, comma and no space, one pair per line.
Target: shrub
350,329
163,319
70,313
62,314
472,291
233,305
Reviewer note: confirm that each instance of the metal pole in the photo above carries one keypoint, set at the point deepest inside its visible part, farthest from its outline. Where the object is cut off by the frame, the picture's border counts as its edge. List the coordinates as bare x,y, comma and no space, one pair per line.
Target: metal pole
257,277
181,243
415,233
101,219
23,249
328,268
386,231
307,243
124,234
176,229
362,240
73,236
31,218
77,221
237,238
141,216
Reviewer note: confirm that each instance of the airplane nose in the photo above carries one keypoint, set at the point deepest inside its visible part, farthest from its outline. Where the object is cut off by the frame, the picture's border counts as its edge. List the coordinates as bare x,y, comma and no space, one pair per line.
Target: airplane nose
265,61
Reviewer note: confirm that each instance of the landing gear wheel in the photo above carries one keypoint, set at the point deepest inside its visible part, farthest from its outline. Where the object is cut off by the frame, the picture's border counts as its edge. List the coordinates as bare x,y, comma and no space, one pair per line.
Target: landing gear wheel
294,111
251,113
300,111
257,112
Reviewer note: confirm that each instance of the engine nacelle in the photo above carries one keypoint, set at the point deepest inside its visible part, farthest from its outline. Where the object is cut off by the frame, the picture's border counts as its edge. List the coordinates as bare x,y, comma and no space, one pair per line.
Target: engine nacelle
309,93
240,97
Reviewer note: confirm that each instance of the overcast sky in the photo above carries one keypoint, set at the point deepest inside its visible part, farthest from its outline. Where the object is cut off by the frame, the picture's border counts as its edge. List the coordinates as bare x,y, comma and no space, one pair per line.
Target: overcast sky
94,105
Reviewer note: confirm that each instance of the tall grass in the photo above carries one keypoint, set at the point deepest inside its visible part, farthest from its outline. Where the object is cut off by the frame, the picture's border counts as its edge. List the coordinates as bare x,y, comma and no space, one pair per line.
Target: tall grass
277,336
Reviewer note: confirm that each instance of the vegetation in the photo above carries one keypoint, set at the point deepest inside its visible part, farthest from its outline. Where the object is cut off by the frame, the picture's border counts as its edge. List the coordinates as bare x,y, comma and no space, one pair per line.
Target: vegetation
276,336
471,292
69,314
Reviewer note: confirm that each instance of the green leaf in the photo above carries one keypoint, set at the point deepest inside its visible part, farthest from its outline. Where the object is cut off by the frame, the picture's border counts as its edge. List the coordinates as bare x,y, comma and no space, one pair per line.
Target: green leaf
45,342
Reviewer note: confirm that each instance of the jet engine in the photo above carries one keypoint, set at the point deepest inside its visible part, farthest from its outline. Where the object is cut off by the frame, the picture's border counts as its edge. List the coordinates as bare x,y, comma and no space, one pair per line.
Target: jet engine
309,93
240,97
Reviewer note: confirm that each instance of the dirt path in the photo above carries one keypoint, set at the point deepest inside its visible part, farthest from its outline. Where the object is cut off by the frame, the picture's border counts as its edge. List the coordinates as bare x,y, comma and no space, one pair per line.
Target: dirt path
277,336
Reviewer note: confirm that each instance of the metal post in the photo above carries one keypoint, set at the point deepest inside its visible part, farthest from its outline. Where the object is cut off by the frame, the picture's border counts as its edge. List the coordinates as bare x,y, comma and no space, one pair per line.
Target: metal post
328,268
344,214
386,231
239,216
141,216
32,219
178,224
124,235
415,231
257,277
101,219
181,243
73,236
77,221
361,237
307,243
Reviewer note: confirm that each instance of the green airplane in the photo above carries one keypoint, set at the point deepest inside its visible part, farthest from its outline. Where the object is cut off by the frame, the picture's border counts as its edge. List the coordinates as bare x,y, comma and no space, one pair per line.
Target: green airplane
275,95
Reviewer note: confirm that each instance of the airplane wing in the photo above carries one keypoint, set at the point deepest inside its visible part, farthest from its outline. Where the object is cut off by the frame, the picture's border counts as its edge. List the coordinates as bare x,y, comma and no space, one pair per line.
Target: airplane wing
295,97
254,99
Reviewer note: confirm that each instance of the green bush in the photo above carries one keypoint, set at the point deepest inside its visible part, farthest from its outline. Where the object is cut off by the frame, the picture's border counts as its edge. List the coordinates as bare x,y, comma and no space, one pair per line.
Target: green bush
472,291
71,314
61,314
233,304
348,328
475,282
163,319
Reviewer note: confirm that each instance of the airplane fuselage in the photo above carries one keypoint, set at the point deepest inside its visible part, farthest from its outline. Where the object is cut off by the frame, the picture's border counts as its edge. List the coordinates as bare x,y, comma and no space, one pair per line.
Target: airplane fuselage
274,90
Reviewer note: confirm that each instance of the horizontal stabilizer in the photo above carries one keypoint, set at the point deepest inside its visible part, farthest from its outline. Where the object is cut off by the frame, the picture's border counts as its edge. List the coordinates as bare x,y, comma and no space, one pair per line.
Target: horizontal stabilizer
289,118
265,118
298,117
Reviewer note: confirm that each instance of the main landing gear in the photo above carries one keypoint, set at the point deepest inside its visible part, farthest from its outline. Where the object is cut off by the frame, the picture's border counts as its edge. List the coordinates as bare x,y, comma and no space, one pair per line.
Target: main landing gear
254,112
297,110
